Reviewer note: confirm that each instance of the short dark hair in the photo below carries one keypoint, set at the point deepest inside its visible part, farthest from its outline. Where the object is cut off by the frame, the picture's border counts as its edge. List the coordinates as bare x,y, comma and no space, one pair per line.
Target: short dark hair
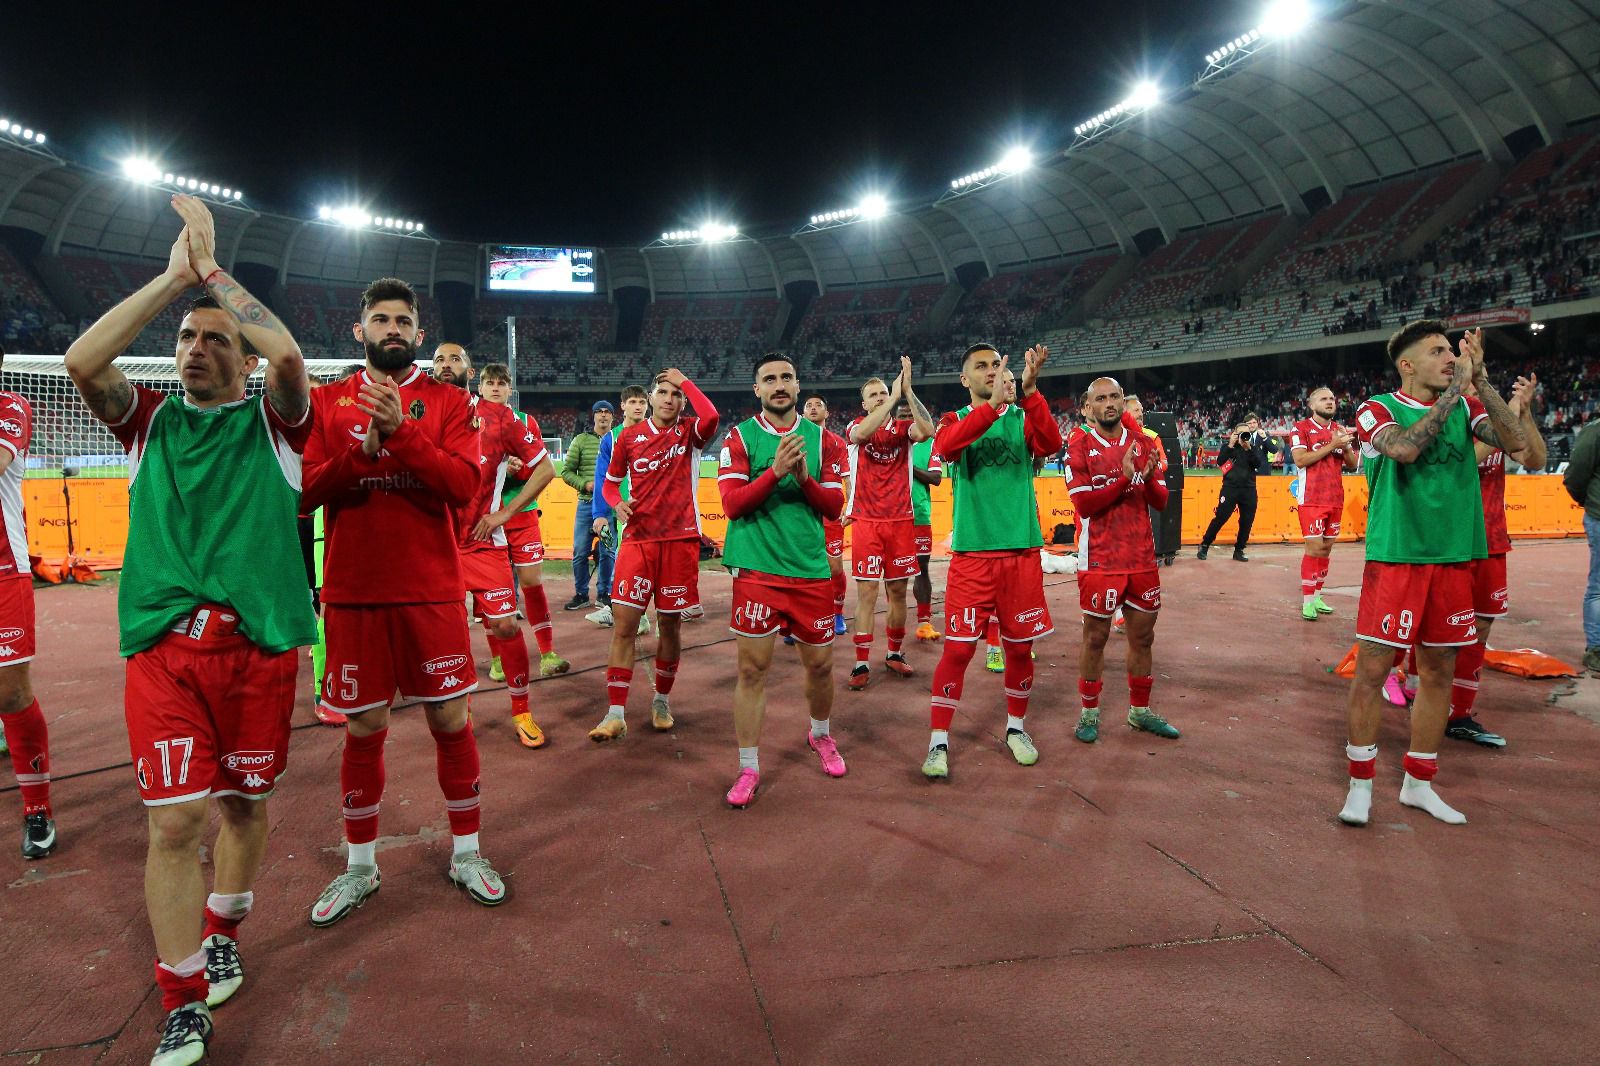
388,289
1412,332
981,346
814,396
770,357
494,372
1248,415
634,392
209,303
351,370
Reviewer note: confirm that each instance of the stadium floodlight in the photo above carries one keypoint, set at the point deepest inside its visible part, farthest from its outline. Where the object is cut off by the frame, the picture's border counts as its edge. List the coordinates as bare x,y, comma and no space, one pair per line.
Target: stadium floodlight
1142,97
1145,95
715,232
353,217
875,205
1285,18
142,170
1535,327
1016,160
21,132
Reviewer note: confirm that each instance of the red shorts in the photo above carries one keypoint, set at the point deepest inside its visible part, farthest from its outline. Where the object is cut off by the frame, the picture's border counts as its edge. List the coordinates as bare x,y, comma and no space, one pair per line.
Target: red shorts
16,620
833,537
667,569
525,538
765,603
922,539
1100,594
487,575
208,717
883,550
1007,587
422,649
1317,520
1417,603
1490,594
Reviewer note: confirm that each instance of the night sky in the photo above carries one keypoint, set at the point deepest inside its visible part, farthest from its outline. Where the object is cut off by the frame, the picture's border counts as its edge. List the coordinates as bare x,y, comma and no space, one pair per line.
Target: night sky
604,127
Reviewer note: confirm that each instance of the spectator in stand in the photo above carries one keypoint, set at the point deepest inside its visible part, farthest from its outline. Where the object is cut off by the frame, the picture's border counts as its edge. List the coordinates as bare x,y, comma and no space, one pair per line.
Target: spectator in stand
577,470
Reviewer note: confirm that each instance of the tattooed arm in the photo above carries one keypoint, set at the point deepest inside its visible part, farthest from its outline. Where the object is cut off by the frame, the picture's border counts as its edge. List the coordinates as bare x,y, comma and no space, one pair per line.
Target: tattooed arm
1404,445
288,387
90,359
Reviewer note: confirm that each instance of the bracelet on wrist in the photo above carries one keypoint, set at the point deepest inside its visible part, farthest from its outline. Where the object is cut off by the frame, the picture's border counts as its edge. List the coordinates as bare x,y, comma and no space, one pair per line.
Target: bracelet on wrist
207,280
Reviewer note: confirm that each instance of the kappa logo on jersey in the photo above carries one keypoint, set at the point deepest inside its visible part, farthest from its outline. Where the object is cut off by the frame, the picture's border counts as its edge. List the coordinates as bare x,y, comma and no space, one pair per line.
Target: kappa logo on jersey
142,771
1038,627
345,401
642,465
680,602
449,682
254,781
1093,453
13,405
248,760
6,651
445,664
1029,615
641,438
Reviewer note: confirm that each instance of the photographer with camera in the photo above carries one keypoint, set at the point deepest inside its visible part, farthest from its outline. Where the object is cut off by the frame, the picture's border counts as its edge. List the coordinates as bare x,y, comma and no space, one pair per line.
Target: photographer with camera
1246,453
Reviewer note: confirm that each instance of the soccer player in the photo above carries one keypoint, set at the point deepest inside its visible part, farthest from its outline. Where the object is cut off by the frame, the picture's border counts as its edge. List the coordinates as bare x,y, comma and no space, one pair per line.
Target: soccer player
1114,479
1323,450
988,448
1490,593
780,478
635,403
522,532
20,717
480,532
212,608
816,412
927,470
659,557
884,548
1424,529
393,455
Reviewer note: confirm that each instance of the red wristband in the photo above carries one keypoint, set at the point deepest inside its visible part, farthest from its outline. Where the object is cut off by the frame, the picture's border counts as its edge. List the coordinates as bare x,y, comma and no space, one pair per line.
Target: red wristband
211,275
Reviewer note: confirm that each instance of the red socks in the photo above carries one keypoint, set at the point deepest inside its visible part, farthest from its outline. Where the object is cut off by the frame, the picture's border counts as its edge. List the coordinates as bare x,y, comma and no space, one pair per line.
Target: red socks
513,653
1018,677
226,924
1464,689
30,757
183,983
666,674
1139,690
947,678
536,605
991,632
458,778
1309,568
896,637
361,779
1089,693
1322,572
1421,767
863,648
925,613
1363,761
838,592
618,678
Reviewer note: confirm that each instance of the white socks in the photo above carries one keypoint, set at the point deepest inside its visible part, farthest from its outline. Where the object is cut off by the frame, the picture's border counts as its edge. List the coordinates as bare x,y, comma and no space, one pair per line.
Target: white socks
1420,794
194,964
819,727
461,845
750,759
363,854
940,736
234,906
1013,722
615,712
1357,803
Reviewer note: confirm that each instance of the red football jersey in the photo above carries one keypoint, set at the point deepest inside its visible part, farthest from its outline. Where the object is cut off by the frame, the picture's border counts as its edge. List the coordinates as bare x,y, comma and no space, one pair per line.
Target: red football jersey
500,435
1492,483
880,472
1118,541
390,519
16,434
1321,483
663,468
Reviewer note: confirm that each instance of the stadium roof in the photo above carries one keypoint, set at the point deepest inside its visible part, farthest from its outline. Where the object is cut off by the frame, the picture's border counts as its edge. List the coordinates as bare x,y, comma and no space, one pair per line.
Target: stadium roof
1368,92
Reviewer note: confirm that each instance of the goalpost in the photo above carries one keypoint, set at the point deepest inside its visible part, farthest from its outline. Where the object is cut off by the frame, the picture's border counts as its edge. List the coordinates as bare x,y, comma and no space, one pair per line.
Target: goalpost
69,441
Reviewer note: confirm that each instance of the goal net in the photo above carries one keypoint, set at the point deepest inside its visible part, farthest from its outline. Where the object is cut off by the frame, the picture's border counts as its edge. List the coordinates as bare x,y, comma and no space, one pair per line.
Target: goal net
69,441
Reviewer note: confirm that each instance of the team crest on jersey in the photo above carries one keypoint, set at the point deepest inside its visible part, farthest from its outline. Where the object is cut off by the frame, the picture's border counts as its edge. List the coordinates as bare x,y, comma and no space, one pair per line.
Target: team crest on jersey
417,409
143,772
